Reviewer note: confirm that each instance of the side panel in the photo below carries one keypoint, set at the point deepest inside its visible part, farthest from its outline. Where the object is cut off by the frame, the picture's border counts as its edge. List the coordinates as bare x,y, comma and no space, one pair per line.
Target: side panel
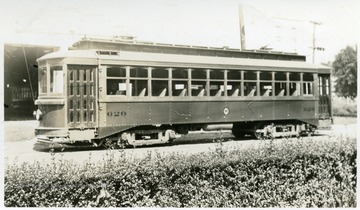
180,112
53,116
122,115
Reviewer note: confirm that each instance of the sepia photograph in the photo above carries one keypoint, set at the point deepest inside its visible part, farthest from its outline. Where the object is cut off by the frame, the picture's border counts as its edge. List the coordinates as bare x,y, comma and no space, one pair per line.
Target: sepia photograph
179,103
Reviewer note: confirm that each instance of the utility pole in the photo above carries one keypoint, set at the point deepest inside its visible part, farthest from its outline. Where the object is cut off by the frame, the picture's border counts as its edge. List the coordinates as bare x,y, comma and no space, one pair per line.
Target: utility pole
242,27
314,40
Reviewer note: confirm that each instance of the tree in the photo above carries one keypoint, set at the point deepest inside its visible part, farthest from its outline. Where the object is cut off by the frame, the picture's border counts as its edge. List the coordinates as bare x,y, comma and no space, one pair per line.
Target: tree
345,72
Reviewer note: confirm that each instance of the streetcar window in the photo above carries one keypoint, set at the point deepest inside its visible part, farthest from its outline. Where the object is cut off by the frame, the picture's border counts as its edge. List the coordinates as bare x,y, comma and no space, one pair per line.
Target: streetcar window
308,84
160,73
280,76
139,87
265,76
198,74
248,75
308,89
91,90
250,89
71,75
116,87
294,76
265,89
116,72
56,79
234,75
180,73
327,85
77,75
216,74
91,72
216,88
233,89
308,77
139,72
198,88
294,88
159,88
179,88
42,80
280,89
324,84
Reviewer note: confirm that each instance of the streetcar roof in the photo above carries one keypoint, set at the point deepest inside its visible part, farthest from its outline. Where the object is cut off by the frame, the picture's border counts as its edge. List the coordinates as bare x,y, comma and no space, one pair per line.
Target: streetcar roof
189,61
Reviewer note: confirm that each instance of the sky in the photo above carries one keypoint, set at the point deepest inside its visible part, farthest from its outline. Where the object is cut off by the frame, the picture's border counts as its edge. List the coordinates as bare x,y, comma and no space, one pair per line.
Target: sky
282,25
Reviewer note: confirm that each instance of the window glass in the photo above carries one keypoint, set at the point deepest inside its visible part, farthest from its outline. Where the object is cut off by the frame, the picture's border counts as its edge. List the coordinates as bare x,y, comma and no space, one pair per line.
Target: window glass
280,89
159,73
179,88
265,76
198,88
56,79
139,87
234,75
280,76
42,79
294,76
294,88
265,89
327,85
138,72
216,74
159,88
249,75
308,77
116,87
250,89
216,88
116,72
308,88
198,74
180,73
233,89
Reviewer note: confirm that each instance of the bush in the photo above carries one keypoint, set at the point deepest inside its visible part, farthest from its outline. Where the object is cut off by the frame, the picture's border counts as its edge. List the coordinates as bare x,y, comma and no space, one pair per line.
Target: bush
294,174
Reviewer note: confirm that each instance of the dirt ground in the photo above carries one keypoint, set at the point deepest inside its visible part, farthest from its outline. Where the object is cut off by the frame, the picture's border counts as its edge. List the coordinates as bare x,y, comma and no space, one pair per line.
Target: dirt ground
19,130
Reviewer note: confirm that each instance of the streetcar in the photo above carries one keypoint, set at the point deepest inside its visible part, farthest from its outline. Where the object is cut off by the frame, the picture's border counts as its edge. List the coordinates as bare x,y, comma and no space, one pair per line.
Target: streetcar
126,92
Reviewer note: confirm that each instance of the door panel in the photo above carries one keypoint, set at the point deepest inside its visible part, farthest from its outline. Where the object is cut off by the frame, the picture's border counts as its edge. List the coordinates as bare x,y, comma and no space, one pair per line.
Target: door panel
82,96
324,96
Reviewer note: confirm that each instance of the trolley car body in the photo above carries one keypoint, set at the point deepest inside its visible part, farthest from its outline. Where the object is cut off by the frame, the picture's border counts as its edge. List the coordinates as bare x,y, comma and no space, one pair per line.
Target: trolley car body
135,97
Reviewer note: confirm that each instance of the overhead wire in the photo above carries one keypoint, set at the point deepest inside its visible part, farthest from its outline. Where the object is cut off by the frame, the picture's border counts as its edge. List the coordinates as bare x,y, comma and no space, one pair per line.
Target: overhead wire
28,72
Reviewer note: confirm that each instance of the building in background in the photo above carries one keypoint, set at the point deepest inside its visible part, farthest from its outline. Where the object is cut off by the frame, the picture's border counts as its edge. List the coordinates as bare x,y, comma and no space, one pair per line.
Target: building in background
21,79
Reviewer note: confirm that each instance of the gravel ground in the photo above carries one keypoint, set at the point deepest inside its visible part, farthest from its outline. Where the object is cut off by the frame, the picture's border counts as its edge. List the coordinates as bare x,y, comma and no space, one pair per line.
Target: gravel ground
19,130
19,141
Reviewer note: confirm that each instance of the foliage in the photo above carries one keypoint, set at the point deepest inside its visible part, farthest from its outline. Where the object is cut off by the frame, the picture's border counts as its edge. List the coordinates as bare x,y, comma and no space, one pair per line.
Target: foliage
344,106
294,174
345,71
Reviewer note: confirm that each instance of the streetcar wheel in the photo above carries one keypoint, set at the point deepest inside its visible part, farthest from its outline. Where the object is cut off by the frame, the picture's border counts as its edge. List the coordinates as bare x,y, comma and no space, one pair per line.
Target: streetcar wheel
258,136
238,134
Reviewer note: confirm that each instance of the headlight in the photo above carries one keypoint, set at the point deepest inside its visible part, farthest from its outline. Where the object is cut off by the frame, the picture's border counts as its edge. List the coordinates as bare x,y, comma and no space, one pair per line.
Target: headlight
37,114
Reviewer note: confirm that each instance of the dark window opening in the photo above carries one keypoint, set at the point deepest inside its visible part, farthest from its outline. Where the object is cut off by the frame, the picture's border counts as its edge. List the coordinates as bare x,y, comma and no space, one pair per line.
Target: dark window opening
248,75
116,72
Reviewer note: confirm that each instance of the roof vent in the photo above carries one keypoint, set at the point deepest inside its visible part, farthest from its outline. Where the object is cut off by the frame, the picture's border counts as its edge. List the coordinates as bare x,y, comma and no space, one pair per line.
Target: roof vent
124,38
